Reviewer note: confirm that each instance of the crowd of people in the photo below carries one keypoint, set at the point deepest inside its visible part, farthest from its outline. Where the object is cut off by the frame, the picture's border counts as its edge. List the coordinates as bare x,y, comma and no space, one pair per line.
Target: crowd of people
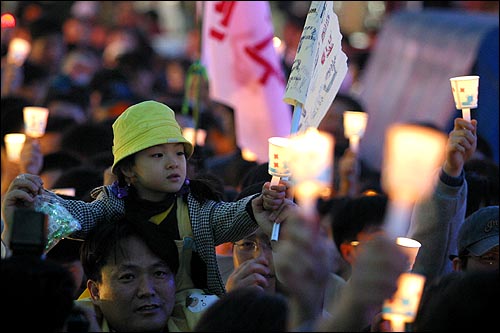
174,236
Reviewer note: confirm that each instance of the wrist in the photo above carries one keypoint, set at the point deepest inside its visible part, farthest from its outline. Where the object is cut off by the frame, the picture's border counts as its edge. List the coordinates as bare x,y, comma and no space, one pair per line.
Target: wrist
451,179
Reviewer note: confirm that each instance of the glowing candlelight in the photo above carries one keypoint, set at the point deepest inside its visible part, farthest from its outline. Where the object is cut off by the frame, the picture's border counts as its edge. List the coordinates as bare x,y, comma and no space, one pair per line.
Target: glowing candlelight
19,49
412,154
311,163
403,306
354,127
14,143
35,121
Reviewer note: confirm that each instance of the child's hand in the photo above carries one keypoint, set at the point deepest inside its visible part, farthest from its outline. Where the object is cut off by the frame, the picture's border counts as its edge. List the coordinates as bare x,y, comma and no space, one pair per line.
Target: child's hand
274,196
265,218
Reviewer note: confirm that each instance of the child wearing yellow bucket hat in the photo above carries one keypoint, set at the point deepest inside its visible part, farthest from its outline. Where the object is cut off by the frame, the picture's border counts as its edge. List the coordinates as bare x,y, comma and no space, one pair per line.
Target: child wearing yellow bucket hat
150,162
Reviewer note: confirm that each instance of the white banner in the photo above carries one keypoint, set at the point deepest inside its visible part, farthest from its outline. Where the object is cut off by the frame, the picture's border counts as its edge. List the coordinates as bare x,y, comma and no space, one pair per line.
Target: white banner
319,67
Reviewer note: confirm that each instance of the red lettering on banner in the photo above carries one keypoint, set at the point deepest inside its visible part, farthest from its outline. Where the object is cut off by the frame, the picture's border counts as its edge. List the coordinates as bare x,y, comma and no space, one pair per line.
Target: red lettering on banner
226,9
254,53
328,50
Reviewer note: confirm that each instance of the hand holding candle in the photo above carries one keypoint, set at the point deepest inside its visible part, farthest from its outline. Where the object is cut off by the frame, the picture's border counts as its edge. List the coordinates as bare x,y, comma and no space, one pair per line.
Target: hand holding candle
278,167
465,92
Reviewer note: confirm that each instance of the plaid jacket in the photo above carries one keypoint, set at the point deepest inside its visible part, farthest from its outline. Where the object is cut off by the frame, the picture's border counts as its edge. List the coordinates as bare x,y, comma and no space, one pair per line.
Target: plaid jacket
212,222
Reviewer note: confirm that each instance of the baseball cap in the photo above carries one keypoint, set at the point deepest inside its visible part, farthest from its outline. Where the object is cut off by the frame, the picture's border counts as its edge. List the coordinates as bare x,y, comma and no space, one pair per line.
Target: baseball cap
143,125
479,232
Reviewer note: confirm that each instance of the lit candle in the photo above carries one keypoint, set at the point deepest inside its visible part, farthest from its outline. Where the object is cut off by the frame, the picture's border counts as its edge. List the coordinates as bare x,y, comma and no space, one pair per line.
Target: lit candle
19,49
402,307
354,127
311,162
14,143
35,121
412,154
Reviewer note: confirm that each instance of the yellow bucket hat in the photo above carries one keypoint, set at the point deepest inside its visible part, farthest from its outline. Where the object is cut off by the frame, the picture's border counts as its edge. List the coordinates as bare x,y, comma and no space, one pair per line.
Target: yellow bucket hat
144,125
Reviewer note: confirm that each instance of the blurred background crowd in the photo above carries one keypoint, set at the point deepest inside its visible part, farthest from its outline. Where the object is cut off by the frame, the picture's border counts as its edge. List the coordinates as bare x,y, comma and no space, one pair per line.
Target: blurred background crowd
91,60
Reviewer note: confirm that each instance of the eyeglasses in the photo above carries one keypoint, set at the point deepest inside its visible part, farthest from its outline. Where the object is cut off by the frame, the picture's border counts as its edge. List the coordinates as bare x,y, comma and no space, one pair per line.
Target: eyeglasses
486,259
249,246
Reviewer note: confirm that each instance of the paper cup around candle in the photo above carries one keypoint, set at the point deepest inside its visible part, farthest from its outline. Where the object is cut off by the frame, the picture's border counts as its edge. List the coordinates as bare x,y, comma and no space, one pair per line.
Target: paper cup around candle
311,164
465,91
14,143
278,157
248,155
354,127
201,136
402,307
412,154
355,123
410,247
195,137
19,49
35,121
189,134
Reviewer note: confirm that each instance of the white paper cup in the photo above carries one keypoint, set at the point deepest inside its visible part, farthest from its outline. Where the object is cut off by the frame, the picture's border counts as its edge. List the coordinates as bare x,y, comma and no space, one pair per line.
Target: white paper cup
189,134
279,157
35,121
465,91
412,153
410,247
355,123
14,143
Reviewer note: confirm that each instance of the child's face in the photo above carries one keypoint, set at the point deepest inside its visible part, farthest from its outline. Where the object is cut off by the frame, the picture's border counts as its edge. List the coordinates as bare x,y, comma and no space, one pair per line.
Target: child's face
159,170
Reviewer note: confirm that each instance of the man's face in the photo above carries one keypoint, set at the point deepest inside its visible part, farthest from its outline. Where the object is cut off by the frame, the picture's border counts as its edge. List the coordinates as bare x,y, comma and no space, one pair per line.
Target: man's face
137,291
485,262
252,247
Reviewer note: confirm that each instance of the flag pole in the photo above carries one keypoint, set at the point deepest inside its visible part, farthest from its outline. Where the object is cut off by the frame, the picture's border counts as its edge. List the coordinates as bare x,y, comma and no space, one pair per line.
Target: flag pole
297,110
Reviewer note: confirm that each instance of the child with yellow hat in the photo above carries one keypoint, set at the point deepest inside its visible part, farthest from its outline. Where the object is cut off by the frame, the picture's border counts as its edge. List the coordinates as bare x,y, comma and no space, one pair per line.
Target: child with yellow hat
150,162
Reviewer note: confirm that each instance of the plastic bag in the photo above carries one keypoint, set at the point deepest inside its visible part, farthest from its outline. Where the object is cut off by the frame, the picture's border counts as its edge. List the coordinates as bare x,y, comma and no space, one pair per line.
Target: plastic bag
60,222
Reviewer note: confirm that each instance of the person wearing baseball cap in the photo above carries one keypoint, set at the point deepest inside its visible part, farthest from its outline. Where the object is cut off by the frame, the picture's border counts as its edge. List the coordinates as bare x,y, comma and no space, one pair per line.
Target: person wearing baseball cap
478,241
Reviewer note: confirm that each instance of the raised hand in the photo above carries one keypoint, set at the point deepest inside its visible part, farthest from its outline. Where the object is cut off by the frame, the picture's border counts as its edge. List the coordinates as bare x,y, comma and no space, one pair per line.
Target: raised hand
461,145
